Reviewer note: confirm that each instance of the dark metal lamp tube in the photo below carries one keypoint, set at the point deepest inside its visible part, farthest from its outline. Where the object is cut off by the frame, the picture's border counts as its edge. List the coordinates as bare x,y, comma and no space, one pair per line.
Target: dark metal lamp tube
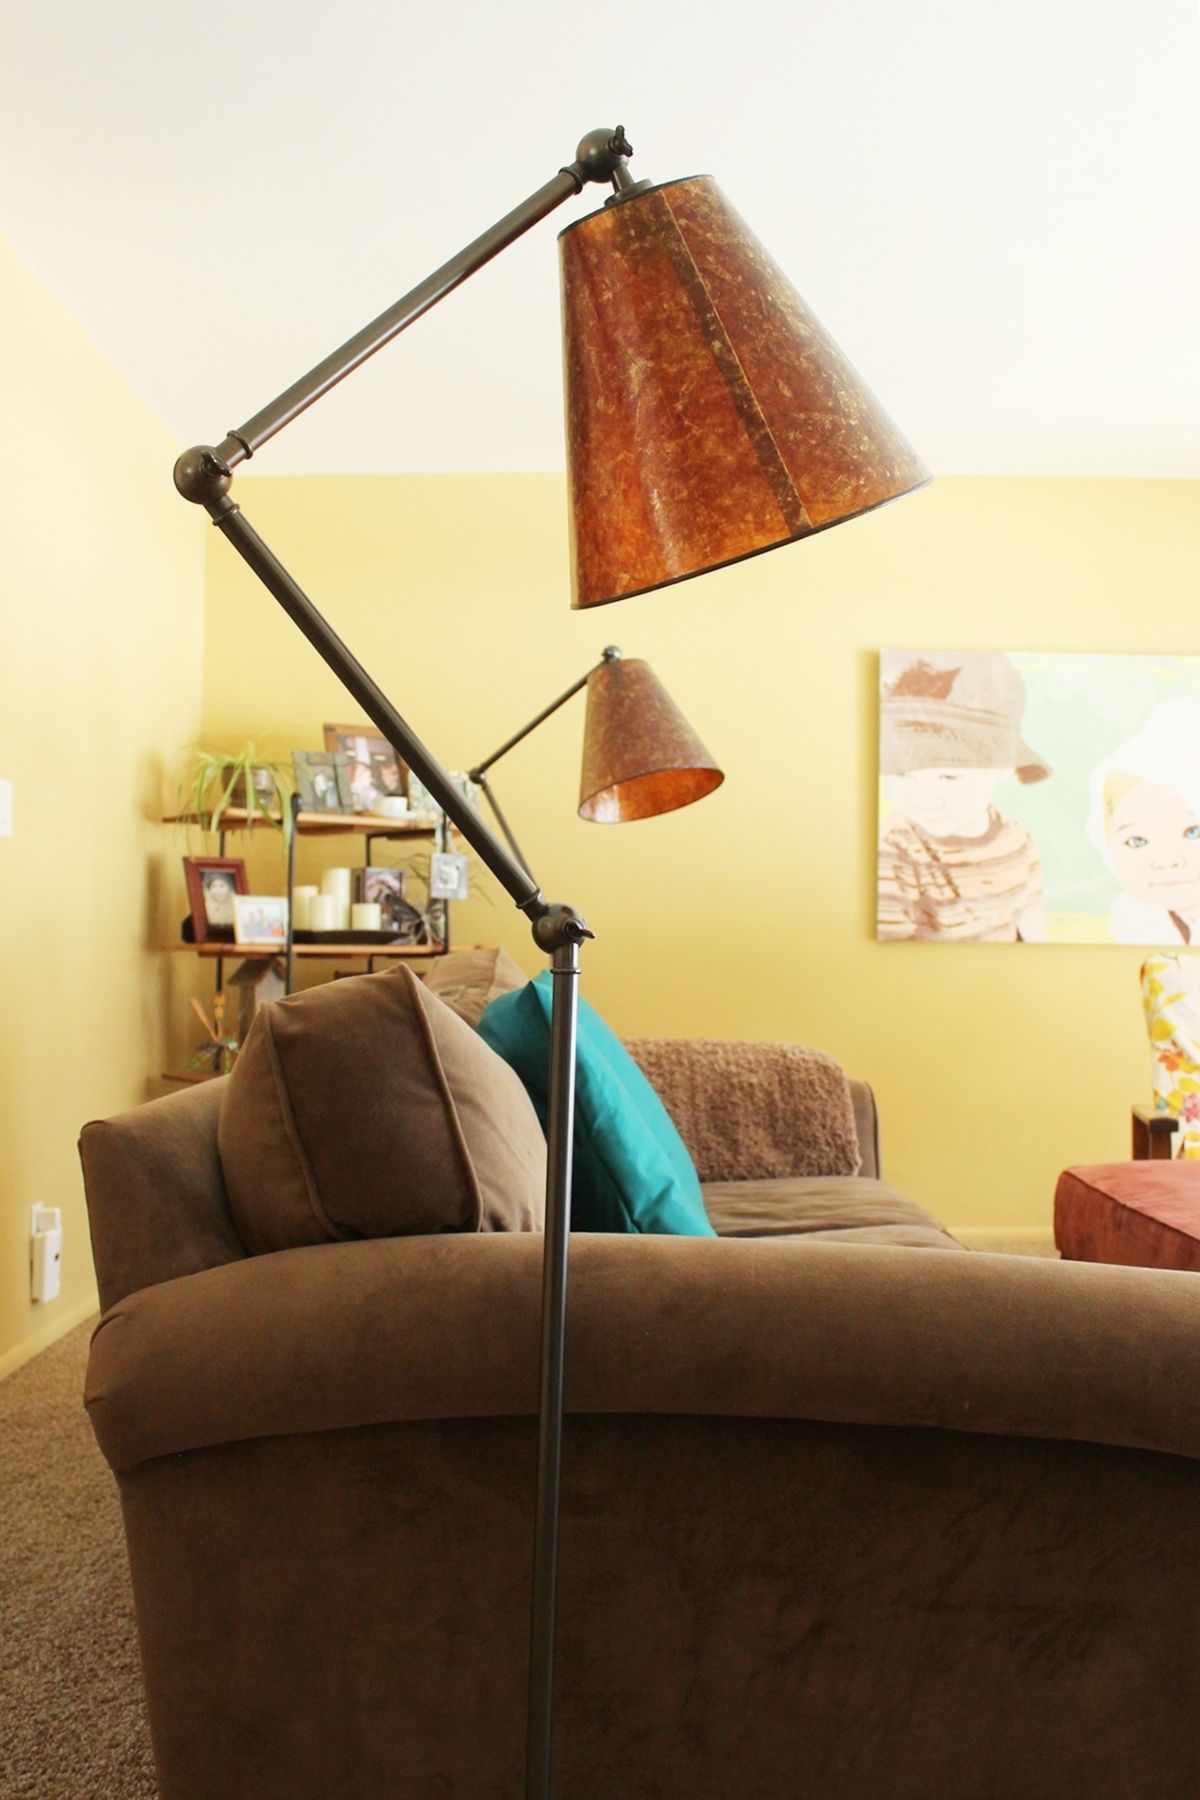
665,294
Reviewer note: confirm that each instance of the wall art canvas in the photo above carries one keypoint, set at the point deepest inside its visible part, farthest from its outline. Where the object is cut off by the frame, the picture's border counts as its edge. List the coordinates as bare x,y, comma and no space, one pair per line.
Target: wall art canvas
1032,797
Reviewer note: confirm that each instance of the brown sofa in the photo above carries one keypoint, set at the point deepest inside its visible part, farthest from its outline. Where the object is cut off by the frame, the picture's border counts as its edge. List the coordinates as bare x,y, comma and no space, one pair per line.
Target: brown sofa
843,1519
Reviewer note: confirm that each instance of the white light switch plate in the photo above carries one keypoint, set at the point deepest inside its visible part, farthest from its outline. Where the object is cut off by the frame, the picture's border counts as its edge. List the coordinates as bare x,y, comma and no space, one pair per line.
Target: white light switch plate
5,808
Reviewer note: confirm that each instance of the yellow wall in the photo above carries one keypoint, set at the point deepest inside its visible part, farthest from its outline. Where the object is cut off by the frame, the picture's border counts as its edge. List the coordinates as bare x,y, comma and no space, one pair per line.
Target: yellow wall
751,914
101,597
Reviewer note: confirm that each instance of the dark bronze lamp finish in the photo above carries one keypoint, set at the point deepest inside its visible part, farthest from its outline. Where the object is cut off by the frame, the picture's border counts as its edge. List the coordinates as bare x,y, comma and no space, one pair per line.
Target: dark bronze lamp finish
709,415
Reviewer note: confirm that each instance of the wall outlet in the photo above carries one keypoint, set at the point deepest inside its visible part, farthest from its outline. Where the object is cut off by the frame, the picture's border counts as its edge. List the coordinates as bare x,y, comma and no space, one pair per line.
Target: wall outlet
45,1252
5,808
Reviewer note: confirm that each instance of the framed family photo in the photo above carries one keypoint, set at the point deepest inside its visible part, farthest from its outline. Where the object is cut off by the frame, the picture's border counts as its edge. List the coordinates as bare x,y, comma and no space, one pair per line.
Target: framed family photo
213,884
323,781
260,919
373,770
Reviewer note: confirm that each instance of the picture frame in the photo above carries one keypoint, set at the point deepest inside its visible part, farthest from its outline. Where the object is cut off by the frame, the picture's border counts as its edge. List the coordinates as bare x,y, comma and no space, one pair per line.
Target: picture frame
421,803
260,919
374,771
384,884
213,885
323,781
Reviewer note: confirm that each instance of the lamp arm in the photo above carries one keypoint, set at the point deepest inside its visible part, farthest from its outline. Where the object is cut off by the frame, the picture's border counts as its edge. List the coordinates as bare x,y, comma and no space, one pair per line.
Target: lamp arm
480,770
601,156
478,774
485,787
204,476
611,654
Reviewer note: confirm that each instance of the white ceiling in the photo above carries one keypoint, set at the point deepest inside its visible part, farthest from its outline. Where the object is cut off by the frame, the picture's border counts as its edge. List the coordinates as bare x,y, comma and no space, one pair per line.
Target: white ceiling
992,207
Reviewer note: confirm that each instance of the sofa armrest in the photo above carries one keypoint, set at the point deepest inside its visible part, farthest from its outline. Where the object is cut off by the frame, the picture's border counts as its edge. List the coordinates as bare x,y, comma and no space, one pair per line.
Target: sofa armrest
754,1112
866,1126
157,1205
379,1331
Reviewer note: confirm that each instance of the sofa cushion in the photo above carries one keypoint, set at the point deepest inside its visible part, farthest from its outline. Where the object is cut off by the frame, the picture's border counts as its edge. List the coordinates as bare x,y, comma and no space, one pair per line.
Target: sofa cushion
469,980
850,1208
366,1108
631,1170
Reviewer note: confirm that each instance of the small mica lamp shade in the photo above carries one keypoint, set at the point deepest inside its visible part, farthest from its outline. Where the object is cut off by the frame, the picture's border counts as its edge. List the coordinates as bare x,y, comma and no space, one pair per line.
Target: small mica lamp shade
640,755
708,414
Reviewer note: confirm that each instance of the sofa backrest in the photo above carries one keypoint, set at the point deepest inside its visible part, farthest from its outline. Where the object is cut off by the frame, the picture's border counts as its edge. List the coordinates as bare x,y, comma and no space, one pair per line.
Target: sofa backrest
157,1201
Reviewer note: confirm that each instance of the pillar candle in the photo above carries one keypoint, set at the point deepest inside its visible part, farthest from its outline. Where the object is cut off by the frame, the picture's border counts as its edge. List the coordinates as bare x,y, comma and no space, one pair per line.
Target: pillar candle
336,883
367,915
323,913
302,898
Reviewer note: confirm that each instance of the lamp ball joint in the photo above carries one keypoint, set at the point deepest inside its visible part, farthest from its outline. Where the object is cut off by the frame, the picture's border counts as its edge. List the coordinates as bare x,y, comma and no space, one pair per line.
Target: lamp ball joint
600,151
201,477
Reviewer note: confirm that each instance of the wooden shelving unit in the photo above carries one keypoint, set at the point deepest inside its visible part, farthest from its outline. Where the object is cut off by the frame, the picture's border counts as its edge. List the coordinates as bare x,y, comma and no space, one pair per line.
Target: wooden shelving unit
347,952
235,818
312,825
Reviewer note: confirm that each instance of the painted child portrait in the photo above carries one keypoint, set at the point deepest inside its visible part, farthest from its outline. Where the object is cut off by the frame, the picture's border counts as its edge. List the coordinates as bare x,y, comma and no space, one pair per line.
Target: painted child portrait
952,867
1145,822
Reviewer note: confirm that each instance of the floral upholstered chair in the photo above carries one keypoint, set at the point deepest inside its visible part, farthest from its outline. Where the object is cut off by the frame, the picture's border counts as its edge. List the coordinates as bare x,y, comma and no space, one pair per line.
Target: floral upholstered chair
1171,998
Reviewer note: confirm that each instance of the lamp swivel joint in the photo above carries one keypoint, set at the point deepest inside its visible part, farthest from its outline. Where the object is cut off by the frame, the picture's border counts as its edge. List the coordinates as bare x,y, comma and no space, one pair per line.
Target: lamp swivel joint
560,927
202,477
601,156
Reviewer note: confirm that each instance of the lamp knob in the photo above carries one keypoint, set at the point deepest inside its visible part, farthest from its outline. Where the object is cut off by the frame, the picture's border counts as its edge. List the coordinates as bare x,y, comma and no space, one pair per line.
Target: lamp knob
201,476
600,152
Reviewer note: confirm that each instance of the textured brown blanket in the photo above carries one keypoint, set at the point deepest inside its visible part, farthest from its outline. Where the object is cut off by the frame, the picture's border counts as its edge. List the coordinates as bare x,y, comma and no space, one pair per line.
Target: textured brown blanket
750,1112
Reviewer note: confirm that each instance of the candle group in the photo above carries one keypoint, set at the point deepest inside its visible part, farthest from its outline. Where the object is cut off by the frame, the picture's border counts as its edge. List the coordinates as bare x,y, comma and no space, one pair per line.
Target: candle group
330,907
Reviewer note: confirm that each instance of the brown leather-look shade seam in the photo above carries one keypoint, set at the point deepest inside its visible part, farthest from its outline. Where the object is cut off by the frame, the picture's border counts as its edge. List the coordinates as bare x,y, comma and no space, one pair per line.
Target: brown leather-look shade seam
792,509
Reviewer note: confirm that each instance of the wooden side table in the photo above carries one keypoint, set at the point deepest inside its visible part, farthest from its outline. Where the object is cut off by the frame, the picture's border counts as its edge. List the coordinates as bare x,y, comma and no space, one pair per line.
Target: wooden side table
1153,1134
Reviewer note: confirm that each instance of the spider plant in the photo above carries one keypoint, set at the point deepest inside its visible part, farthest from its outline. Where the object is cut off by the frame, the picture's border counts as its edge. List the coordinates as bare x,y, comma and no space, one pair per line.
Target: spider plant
219,779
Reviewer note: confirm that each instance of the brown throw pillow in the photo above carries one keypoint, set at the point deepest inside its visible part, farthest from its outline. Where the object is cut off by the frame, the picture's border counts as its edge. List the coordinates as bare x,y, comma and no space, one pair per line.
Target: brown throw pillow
469,980
366,1108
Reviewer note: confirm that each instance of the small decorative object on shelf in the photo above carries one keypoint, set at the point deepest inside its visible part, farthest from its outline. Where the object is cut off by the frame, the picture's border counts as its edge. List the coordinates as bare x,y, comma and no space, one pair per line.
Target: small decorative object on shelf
382,885
243,780
214,884
260,919
421,803
323,781
218,1055
335,885
449,876
254,983
376,773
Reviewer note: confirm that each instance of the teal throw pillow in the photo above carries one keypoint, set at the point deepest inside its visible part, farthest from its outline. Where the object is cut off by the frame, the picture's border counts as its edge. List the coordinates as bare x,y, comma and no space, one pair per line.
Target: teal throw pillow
632,1171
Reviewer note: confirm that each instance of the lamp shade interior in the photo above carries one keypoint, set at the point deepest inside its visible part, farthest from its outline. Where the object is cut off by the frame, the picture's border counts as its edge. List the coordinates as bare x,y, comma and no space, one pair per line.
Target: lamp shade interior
640,755
709,416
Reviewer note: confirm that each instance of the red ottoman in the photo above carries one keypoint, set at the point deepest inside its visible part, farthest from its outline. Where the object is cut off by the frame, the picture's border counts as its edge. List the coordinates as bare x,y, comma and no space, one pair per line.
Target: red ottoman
1145,1213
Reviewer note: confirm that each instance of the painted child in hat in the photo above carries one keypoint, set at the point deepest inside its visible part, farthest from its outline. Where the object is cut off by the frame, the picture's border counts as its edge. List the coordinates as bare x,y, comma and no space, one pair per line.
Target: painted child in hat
953,869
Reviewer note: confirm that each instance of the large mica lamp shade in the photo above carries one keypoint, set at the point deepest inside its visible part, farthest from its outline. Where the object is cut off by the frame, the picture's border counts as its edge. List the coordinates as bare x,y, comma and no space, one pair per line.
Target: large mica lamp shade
709,416
640,755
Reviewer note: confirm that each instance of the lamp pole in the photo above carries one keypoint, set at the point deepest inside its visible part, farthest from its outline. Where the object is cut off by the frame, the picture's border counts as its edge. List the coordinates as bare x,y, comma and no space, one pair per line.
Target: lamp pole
203,475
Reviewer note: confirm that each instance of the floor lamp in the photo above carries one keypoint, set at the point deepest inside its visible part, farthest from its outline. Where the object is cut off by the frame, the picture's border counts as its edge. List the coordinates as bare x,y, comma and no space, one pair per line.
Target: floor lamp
640,755
709,417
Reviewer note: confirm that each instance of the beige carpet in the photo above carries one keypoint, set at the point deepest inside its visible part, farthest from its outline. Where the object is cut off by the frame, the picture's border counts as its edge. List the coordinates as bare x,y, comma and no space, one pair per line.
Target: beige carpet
72,1725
